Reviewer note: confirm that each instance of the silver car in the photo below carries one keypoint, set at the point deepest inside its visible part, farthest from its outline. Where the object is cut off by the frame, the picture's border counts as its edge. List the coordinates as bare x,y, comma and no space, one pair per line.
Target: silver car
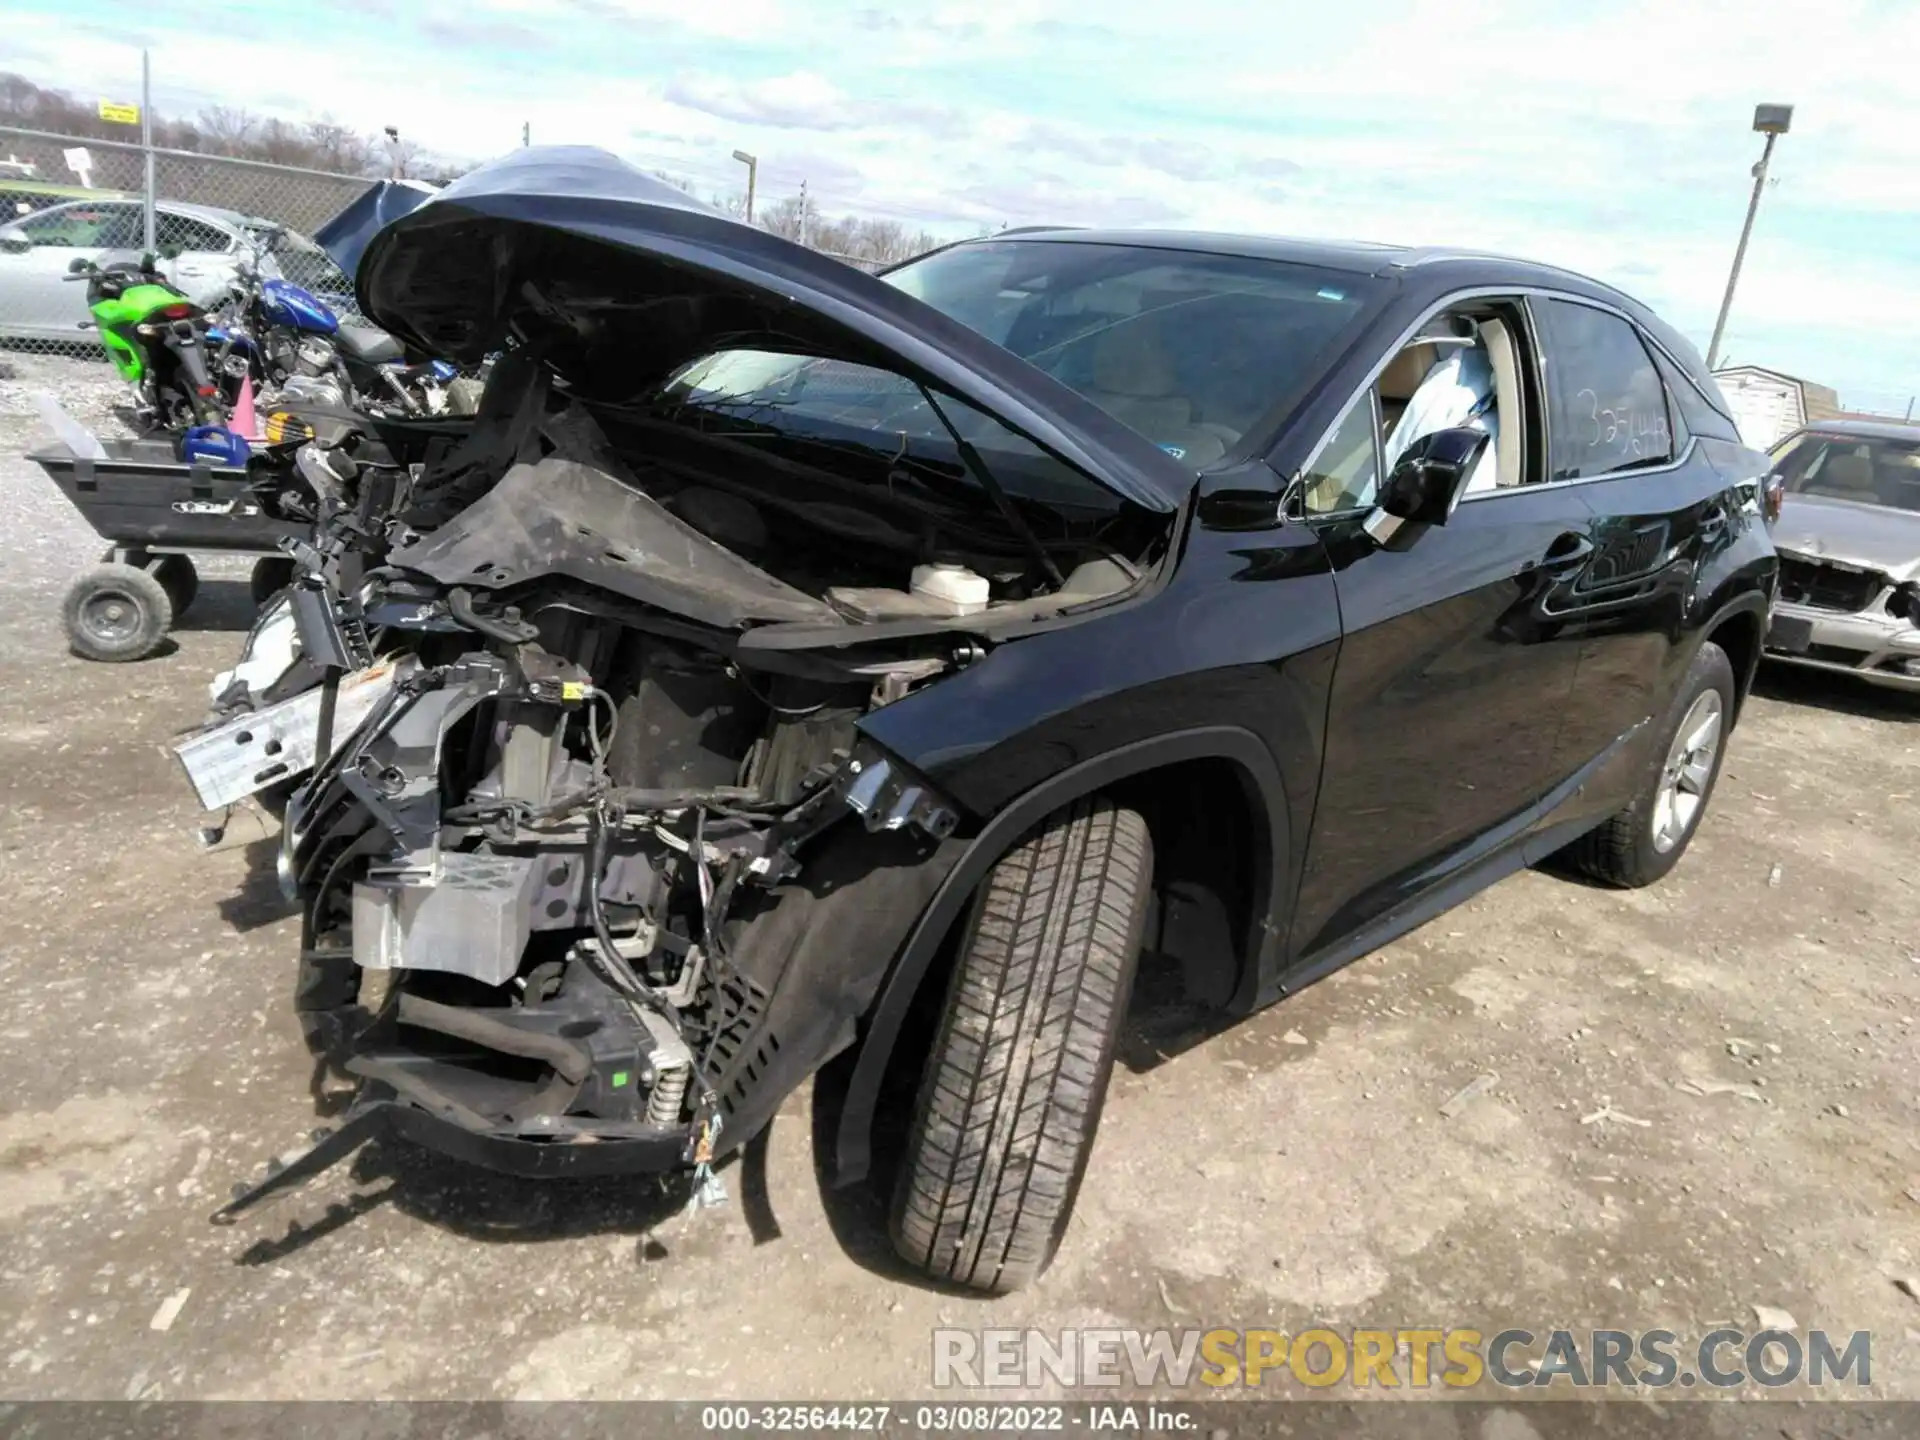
1849,543
38,303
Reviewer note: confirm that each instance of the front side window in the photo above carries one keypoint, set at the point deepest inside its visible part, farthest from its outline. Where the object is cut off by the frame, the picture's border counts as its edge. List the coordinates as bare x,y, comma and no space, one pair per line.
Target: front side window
1346,474
85,226
1606,404
1868,472
1461,369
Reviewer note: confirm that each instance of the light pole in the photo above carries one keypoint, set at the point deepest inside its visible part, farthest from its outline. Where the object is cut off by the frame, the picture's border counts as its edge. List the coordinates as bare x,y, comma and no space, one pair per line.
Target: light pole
1773,122
753,170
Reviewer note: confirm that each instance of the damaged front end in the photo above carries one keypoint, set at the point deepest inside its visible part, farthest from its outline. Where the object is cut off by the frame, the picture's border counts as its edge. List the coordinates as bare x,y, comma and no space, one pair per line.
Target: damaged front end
595,862
564,835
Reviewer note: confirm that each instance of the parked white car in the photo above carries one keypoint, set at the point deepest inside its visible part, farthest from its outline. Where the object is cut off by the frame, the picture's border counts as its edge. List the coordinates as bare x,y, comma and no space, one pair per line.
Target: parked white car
37,302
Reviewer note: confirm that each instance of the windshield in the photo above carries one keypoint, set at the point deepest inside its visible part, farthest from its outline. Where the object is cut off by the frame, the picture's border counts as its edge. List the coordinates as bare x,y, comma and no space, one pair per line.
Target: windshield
1870,472
1191,350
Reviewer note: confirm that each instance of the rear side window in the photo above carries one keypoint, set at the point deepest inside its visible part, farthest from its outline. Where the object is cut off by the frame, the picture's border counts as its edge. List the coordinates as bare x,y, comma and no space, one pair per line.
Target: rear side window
1606,404
1692,414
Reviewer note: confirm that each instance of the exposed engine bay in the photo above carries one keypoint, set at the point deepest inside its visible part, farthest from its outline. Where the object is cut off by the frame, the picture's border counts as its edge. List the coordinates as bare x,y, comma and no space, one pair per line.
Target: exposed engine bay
581,693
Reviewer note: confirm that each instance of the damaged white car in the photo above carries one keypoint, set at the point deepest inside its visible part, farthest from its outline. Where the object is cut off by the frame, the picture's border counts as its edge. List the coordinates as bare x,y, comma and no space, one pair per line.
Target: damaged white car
1849,543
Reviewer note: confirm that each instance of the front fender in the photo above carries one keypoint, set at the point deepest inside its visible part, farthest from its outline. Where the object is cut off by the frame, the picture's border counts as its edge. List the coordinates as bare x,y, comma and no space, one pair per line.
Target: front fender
852,1146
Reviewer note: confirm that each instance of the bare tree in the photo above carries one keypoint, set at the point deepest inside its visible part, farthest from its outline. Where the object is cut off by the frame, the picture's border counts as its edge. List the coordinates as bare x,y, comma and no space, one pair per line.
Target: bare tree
227,128
334,146
881,242
794,218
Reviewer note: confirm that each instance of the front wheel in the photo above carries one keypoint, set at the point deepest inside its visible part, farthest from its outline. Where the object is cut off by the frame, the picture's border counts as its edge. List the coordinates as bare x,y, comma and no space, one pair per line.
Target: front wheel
1011,1097
1646,840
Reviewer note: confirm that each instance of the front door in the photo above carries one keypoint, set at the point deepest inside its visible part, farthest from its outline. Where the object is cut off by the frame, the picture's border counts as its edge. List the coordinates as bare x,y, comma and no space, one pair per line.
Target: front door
1454,673
40,300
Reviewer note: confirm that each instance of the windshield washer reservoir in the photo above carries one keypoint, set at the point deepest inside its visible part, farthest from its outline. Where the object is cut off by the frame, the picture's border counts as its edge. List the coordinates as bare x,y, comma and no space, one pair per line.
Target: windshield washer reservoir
953,585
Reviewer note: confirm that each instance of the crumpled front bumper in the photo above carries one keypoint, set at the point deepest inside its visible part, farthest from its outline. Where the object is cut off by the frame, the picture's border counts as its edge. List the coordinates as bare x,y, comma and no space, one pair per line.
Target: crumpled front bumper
1869,644
378,1111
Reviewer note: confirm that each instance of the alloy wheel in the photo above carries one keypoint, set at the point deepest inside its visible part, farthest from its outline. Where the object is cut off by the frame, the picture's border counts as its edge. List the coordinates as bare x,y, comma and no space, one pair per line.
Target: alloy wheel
1687,773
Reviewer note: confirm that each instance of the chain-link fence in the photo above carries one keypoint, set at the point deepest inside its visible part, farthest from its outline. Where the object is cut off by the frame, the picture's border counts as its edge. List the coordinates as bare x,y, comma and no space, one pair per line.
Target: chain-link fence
64,198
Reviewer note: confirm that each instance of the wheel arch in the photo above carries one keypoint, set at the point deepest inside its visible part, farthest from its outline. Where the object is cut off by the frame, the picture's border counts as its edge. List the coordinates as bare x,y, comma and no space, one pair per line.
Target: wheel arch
1739,629
1156,774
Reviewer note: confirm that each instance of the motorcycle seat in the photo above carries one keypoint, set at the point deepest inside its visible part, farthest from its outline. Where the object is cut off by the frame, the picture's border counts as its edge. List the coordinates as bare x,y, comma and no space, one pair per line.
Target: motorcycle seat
368,345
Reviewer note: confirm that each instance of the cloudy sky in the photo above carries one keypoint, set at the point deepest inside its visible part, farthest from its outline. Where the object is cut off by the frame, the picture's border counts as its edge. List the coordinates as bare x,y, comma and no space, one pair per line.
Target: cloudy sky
1612,138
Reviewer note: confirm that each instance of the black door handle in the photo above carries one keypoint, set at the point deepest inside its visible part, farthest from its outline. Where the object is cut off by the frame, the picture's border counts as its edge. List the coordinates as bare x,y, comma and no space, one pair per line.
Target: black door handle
1567,555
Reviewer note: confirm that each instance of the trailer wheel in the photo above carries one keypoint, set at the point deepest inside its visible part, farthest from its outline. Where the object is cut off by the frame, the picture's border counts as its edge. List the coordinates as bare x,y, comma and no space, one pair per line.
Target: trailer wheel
116,613
271,575
178,578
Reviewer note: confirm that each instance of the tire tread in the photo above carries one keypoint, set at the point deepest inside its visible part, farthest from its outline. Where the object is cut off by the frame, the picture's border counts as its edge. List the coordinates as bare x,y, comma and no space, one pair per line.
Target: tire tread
1011,1097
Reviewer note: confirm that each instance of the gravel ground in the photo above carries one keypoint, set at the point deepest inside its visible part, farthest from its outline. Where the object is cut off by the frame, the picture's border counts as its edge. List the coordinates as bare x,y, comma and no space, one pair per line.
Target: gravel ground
1290,1171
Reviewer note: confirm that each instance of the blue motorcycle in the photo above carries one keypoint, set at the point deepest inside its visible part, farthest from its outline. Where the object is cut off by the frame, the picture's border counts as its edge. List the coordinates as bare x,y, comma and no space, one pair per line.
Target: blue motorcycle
298,350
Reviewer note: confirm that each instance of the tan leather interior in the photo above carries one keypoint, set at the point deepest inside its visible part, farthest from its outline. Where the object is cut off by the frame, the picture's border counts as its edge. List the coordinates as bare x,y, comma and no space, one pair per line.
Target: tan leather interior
1846,473
1401,378
1134,381
1128,359
1504,355
1406,370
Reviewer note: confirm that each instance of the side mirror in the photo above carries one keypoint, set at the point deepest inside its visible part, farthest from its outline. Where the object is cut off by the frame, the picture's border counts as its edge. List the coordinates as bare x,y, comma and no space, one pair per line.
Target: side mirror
14,243
1426,483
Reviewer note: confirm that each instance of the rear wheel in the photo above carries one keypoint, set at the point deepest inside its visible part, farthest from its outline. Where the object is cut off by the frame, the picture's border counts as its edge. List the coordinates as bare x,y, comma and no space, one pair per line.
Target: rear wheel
178,578
1646,840
271,575
1011,1097
116,613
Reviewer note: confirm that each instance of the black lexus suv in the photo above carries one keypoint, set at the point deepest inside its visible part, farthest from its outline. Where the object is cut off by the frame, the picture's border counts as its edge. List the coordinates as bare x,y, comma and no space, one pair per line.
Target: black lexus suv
784,652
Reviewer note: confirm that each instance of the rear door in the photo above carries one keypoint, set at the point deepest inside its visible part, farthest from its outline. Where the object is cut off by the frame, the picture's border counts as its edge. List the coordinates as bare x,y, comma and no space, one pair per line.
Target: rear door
203,270
1453,675
1619,435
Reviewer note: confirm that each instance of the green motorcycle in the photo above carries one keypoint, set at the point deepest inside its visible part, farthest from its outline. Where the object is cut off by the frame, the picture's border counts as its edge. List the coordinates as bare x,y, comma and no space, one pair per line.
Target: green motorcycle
157,340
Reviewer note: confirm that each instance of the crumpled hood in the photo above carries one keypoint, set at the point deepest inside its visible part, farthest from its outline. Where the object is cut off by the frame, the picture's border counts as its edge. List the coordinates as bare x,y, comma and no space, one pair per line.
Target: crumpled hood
345,237
1871,537
619,280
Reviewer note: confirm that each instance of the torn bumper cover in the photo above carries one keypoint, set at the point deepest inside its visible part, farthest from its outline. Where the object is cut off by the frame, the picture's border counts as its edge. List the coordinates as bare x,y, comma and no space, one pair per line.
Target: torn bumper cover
580,1075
